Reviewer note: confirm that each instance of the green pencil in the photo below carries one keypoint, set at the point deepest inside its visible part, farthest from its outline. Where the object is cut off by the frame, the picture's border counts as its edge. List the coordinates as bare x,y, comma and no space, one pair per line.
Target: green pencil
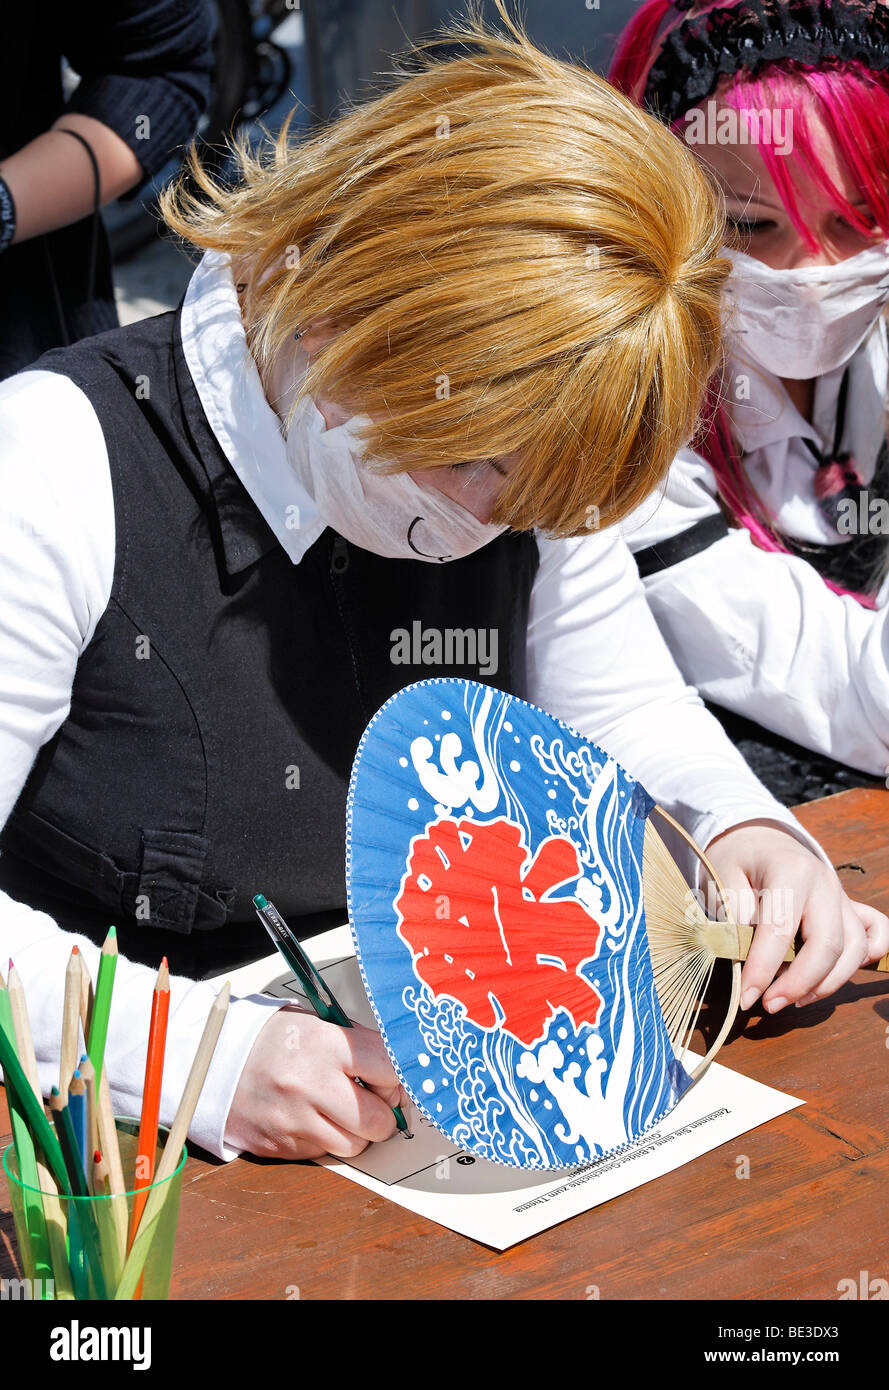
41,1130
102,1006
53,1211
26,1156
318,993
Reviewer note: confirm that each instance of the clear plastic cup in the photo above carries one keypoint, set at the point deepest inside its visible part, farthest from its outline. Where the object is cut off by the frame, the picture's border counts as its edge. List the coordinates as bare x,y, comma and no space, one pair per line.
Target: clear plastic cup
87,1236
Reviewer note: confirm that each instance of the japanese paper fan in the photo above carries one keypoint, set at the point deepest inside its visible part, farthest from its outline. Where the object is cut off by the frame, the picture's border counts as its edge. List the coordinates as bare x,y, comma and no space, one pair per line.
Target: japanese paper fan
532,952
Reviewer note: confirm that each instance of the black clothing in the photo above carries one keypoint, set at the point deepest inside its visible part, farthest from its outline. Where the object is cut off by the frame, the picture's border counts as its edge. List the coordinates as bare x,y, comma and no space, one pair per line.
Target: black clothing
217,709
138,60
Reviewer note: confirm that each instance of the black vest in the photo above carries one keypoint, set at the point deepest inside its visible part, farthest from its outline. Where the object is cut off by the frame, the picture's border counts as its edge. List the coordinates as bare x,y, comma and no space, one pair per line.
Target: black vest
217,709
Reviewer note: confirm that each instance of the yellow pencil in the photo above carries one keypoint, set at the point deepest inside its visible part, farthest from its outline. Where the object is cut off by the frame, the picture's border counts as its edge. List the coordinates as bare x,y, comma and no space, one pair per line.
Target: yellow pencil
100,1174
56,1221
108,1244
86,997
69,1052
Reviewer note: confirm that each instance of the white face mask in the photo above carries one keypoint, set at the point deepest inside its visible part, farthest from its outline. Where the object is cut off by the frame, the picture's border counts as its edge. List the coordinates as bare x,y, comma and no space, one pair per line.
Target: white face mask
807,321
386,513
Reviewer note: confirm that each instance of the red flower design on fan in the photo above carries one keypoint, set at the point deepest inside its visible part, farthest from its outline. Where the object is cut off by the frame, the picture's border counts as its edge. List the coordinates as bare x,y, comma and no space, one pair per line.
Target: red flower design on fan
474,910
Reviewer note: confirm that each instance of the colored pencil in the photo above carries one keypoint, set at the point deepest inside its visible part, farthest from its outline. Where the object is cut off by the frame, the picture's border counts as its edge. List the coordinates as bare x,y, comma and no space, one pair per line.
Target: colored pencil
41,1130
81,1215
102,1005
108,1143
23,1040
88,1075
77,1183
86,996
151,1101
112,1256
85,1006
100,1174
69,1051
169,1161
77,1111
54,1214
151,1094
107,1130
36,1259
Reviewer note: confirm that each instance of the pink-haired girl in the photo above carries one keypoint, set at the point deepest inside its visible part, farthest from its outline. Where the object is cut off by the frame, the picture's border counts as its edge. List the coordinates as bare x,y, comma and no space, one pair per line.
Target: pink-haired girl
765,558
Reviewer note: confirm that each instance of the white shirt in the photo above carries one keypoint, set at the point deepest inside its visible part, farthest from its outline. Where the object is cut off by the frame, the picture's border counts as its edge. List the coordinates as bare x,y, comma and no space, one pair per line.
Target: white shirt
595,658
759,632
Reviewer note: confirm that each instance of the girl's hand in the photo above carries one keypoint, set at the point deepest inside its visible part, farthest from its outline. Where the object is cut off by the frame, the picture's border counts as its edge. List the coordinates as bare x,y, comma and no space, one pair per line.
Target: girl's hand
778,884
296,1097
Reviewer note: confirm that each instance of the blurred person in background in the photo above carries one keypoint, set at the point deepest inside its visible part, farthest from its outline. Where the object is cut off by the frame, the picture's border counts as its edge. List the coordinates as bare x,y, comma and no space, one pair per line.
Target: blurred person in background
145,69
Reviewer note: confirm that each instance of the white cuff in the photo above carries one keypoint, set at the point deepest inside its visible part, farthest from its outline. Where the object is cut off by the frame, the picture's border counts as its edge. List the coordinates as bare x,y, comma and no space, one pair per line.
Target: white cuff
244,1021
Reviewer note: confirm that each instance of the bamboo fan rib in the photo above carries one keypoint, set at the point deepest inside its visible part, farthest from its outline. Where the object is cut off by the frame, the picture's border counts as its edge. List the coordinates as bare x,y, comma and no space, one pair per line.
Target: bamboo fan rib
681,941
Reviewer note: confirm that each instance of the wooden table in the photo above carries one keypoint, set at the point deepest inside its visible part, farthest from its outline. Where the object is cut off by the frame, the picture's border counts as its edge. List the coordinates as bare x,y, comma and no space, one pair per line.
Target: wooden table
811,1212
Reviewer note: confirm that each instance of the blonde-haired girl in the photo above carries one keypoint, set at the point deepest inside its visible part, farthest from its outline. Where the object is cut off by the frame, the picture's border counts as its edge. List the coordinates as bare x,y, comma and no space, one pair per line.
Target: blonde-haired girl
426,357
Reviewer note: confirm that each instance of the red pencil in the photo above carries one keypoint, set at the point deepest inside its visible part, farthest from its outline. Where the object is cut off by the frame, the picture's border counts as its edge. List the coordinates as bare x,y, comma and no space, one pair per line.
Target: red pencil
151,1095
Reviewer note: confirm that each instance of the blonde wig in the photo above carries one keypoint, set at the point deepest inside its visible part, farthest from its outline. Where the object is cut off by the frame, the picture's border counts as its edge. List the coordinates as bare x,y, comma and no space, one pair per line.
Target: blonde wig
518,260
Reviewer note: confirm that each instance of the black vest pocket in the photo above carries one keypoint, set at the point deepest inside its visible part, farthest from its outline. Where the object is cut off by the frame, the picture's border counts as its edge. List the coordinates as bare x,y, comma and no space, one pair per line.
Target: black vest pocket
168,887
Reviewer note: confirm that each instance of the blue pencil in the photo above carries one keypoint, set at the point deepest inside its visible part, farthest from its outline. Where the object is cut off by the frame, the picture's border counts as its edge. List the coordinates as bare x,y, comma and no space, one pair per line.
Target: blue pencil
77,1111
76,1243
83,1234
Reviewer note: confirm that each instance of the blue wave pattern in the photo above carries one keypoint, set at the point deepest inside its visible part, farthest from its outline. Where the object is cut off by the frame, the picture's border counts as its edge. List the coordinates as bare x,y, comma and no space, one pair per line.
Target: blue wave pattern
456,748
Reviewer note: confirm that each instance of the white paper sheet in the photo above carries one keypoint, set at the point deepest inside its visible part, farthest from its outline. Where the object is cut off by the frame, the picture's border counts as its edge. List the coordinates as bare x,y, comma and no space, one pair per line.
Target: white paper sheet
501,1206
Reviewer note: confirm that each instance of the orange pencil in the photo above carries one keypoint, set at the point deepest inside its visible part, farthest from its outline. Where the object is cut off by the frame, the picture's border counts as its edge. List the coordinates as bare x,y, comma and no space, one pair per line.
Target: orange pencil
151,1095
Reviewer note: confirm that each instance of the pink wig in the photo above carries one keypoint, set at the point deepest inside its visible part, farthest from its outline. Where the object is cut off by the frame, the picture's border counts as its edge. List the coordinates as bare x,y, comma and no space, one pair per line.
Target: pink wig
853,104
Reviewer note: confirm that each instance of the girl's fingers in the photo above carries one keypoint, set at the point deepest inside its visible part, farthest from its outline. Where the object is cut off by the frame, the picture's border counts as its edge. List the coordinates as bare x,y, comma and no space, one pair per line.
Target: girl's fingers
775,923
833,942
768,876
876,927
859,922
793,890
356,1110
363,1054
333,1138
398,1096
853,954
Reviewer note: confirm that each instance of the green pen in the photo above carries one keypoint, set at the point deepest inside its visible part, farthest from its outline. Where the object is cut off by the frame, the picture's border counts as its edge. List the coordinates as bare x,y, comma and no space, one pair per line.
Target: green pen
317,992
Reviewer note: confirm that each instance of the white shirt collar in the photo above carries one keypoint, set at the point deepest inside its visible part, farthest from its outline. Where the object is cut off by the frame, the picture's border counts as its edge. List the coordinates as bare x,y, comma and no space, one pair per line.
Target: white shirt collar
230,390
771,433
